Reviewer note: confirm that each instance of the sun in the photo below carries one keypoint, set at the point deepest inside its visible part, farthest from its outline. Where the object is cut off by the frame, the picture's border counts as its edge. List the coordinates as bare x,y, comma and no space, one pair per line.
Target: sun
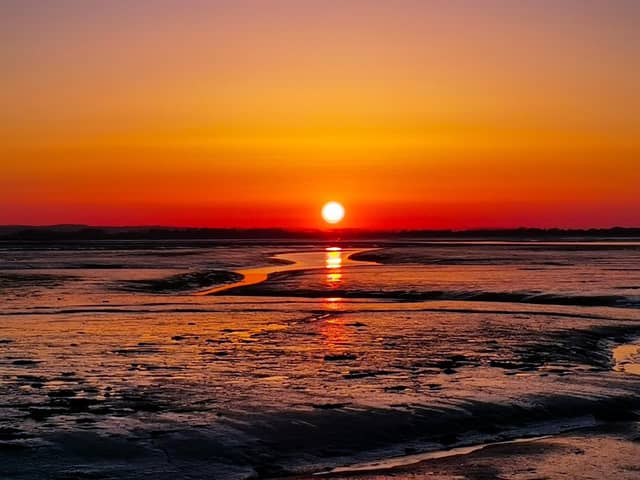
332,212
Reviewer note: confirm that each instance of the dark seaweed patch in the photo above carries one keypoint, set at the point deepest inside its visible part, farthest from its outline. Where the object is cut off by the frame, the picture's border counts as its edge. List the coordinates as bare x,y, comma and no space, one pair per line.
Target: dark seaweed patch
273,289
181,282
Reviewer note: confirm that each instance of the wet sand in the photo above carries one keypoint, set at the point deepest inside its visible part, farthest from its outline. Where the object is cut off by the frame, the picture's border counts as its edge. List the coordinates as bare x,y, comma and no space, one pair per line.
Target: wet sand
324,365
596,453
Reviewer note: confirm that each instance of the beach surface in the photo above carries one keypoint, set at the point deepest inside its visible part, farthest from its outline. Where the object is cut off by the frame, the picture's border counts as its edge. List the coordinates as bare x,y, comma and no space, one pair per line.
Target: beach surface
431,360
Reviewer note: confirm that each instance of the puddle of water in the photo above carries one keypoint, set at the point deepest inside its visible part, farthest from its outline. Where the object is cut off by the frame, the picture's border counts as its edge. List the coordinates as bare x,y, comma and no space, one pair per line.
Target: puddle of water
332,258
627,359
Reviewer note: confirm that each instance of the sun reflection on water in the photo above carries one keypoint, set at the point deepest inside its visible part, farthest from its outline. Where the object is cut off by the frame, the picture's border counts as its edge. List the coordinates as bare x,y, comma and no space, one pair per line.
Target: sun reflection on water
333,257
333,276
336,335
333,303
333,264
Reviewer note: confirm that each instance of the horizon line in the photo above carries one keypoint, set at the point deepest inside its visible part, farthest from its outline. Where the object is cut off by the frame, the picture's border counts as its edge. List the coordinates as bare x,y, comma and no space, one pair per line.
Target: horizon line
313,229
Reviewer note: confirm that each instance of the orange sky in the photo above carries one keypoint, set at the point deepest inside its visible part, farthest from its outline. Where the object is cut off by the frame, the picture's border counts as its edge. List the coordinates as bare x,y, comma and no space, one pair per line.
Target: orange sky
413,113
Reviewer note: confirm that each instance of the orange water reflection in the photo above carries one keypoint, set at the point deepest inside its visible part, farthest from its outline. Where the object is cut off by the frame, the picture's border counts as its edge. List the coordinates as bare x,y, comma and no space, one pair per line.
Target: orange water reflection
333,265
333,303
333,258
336,334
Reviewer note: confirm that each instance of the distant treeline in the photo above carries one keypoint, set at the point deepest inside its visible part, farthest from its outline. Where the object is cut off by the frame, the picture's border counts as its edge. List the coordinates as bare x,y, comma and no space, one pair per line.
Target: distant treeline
83,232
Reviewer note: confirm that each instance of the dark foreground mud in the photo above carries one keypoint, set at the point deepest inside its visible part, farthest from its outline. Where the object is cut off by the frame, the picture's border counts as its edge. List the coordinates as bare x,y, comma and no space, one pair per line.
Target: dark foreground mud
605,451
260,390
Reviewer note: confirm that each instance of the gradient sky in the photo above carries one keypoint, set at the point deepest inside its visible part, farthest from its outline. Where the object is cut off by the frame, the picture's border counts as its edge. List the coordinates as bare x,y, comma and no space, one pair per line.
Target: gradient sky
412,113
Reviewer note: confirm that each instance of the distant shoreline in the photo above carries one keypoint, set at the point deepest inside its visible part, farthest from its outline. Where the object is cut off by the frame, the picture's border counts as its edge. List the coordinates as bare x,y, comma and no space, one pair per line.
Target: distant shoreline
86,232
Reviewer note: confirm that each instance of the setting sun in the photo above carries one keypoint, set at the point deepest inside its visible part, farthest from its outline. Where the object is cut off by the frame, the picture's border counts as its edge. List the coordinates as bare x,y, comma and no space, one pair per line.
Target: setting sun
332,212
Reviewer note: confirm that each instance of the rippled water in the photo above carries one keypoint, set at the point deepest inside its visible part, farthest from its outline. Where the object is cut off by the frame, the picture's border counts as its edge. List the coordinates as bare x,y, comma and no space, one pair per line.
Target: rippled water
312,360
